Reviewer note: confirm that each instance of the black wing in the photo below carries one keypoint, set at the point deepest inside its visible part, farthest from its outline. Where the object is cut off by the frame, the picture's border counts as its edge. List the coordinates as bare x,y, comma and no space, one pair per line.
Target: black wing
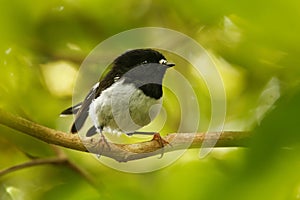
82,112
72,110
92,131
82,109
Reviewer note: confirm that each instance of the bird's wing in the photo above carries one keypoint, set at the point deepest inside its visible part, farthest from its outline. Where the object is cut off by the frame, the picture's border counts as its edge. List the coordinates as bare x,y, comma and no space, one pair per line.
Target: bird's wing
92,131
82,112
72,110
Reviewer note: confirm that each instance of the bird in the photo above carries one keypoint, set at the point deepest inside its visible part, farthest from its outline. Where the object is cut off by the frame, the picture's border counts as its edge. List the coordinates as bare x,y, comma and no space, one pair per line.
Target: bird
121,102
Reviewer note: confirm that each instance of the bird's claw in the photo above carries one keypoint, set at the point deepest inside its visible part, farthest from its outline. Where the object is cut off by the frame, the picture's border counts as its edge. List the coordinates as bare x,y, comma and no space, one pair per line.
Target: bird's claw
103,144
162,143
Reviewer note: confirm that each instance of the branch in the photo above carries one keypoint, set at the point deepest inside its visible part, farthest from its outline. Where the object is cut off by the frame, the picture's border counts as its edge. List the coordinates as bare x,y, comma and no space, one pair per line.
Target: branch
58,160
35,162
122,152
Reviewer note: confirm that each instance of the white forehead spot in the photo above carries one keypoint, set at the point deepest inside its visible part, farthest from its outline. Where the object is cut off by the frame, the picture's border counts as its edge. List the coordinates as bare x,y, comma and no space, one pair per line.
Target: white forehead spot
162,61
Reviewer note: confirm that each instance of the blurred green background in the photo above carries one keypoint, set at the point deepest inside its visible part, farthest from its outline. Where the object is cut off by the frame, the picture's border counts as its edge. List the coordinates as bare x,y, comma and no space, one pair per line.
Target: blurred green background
255,45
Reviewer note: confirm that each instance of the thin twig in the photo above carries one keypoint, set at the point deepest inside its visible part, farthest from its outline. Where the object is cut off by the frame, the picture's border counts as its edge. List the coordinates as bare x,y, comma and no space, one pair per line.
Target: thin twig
83,173
123,152
61,154
61,160
35,162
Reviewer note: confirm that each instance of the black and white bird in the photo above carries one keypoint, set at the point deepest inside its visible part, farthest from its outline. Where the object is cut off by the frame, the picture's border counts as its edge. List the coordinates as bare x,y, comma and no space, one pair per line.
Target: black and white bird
122,101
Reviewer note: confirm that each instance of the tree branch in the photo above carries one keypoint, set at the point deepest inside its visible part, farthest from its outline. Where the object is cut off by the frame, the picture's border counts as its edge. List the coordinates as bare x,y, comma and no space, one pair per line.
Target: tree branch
122,152
35,162
58,160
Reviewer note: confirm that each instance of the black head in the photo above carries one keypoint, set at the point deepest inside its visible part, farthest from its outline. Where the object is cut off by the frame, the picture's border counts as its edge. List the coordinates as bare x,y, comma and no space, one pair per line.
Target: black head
132,58
143,67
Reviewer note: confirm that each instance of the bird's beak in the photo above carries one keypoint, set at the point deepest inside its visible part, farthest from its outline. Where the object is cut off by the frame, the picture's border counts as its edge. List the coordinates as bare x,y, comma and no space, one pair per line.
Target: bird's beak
170,64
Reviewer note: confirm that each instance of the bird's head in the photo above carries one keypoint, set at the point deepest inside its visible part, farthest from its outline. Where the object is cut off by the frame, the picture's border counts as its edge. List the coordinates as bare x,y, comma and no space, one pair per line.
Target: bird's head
133,58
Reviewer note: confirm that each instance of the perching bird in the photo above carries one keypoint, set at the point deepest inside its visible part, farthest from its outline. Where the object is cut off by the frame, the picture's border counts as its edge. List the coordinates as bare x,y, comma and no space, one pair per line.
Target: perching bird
121,102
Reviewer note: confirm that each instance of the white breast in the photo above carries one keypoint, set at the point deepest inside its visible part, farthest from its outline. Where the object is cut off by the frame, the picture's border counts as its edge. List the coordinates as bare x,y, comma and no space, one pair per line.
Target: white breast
122,108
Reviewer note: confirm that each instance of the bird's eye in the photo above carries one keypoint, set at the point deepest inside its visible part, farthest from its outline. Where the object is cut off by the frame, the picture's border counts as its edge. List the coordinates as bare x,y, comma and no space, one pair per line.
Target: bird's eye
145,62
163,62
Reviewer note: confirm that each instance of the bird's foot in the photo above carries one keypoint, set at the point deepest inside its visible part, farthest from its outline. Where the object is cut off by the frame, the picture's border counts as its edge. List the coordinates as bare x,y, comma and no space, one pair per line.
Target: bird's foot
103,145
160,140
162,143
